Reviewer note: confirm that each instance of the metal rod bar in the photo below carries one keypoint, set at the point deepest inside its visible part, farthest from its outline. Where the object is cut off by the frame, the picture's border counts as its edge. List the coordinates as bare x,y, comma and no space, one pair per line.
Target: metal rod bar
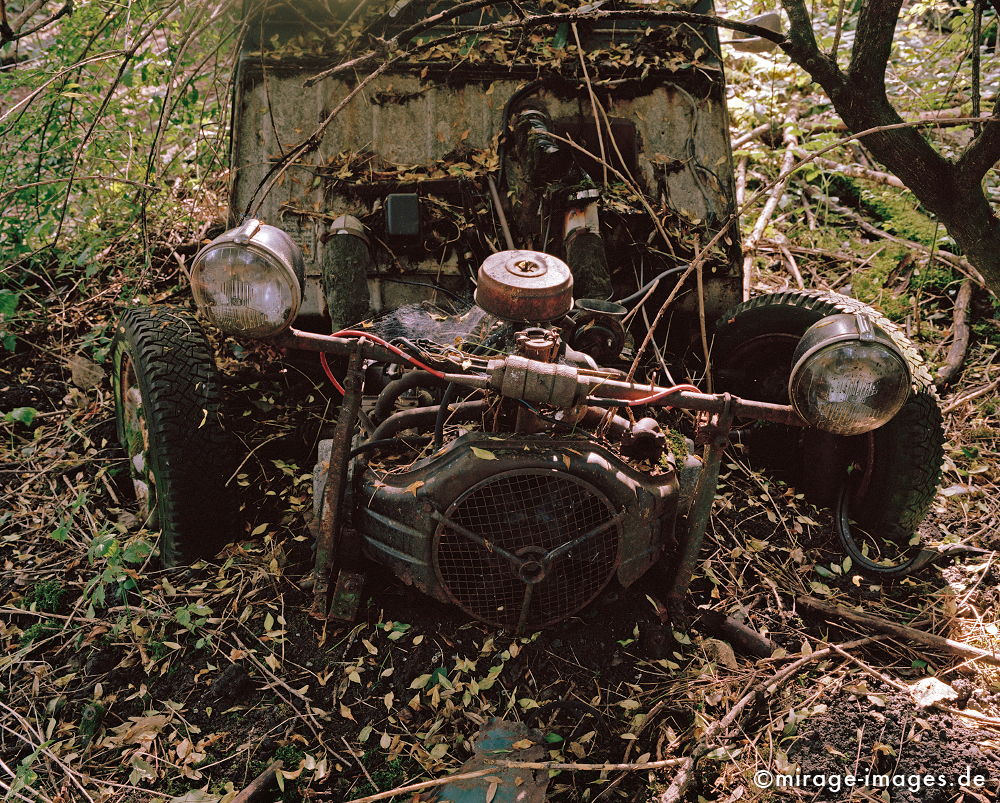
489,546
598,384
331,520
561,550
701,509
341,346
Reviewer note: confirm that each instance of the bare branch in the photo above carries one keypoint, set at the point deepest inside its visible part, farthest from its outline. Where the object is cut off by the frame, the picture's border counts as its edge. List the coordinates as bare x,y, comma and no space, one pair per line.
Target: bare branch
873,44
983,152
540,20
801,48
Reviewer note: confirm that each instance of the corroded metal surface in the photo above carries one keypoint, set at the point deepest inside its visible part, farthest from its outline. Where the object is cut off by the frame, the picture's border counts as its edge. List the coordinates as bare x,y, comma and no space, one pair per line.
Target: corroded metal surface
525,286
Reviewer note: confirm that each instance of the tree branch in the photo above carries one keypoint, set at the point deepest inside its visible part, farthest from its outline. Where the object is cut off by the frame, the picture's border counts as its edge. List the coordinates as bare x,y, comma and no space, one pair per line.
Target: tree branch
983,152
540,20
12,32
801,47
873,44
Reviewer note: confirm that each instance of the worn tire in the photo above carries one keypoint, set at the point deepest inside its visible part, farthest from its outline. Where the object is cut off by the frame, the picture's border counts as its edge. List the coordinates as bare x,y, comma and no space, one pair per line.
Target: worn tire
167,410
902,459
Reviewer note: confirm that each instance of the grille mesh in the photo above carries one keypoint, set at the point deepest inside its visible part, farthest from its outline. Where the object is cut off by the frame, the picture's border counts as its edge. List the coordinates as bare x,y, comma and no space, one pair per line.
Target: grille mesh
528,513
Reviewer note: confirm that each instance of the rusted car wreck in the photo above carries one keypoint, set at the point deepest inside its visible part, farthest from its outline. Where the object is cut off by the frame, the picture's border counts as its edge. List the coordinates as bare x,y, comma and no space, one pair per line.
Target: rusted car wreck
506,241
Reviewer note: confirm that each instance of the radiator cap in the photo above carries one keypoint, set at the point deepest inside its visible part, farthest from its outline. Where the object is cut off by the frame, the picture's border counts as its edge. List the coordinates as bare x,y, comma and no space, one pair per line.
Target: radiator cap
526,286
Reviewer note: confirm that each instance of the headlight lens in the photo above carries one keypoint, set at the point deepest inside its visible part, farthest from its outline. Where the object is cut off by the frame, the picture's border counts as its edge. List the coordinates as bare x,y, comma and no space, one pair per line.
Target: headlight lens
848,376
246,281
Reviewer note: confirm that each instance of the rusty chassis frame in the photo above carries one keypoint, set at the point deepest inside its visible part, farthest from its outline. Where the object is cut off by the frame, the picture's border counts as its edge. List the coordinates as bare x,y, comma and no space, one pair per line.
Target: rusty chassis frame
713,432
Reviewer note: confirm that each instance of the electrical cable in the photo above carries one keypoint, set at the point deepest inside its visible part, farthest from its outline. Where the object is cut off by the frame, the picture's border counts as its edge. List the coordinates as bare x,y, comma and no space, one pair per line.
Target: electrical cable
451,294
650,284
375,339
645,400
416,441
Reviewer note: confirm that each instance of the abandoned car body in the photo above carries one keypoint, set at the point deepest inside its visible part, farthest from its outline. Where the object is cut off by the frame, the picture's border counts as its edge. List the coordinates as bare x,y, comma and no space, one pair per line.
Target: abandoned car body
516,233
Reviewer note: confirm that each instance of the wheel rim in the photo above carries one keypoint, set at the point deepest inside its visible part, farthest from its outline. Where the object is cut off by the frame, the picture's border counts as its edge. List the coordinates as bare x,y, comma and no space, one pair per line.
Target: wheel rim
137,442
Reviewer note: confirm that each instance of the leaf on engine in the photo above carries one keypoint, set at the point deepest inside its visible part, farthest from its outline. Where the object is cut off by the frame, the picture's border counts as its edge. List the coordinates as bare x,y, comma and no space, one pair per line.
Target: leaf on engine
482,454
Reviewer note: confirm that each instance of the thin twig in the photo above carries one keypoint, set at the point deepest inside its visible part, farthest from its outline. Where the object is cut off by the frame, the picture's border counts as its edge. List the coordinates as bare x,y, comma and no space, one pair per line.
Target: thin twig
959,337
773,199
975,394
907,635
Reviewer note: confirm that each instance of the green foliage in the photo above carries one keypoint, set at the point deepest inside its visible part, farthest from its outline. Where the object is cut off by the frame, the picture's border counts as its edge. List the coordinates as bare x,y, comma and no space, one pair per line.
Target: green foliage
45,595
8,306
115,559
22,415
873,284
899,214
98,147
387,776
38,632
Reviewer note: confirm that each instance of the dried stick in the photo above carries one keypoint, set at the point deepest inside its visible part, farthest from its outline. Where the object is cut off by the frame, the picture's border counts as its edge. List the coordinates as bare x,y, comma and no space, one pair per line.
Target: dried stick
716,731
535,21
259,784
774,197
522,765
970,396
895,684
741,182
959,263
857,171
792,265
753,133
832,613
420,786
959,339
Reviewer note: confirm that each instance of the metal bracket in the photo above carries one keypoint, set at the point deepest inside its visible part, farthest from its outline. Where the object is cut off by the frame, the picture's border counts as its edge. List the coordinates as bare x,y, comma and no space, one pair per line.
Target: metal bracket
328,546
714,434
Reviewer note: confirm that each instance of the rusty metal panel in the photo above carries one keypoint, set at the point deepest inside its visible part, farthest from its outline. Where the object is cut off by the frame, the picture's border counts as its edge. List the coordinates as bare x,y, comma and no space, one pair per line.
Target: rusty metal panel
409,117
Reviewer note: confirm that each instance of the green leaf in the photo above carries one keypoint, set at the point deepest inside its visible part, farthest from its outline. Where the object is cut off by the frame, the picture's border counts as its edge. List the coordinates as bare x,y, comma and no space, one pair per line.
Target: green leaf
420,681
553,738
24,415
482,454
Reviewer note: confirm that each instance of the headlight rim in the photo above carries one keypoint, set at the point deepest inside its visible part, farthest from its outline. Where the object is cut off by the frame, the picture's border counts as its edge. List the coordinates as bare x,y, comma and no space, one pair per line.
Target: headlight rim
276,249
847,328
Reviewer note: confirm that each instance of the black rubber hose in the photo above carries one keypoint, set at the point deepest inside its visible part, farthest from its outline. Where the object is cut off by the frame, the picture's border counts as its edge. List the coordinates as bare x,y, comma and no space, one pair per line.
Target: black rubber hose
424,416
387,398
893,571
384,443
642,290
442,414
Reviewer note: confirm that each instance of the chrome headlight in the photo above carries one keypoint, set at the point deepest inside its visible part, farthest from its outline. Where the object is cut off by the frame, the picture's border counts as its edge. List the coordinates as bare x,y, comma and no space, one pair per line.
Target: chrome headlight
848,376
246,281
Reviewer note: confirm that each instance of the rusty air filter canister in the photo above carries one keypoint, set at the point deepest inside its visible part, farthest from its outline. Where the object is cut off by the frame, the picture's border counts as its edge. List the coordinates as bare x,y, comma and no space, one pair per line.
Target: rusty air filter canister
526,286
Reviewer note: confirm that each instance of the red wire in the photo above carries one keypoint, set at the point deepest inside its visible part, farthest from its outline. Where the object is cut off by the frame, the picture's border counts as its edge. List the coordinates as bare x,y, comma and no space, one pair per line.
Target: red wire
329,374
662,394
440,374
374,339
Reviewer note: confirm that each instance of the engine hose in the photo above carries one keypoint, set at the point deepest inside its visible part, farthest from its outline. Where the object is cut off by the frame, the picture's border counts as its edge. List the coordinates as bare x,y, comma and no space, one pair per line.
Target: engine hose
642,290
389,395
442,413
894,571
425,416
384,443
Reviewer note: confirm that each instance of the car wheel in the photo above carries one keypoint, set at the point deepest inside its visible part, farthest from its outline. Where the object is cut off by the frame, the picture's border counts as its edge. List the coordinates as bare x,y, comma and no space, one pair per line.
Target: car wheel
167,409
891,473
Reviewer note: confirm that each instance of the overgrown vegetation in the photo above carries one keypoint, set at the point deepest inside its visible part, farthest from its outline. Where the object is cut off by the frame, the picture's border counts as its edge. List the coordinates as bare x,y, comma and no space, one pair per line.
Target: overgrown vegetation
120,682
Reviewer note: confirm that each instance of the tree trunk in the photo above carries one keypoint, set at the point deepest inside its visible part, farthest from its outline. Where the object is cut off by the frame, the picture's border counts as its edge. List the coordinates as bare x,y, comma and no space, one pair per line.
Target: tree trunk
952,191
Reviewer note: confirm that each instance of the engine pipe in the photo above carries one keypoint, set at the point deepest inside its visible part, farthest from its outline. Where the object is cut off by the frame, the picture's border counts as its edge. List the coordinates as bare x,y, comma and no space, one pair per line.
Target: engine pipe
613,392
388,397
